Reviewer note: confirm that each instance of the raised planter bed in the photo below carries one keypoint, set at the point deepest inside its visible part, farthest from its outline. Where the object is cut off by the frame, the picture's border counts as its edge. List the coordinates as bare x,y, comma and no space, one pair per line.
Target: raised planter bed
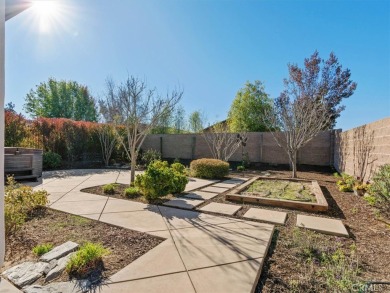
320,205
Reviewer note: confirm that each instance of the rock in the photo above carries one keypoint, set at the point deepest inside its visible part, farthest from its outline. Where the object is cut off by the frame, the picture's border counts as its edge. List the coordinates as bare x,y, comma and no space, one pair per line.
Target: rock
26,273
59,251
62,287
59,268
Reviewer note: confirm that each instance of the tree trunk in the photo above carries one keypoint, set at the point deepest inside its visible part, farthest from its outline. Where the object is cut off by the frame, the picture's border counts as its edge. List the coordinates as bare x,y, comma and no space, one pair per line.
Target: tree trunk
132,166
294,164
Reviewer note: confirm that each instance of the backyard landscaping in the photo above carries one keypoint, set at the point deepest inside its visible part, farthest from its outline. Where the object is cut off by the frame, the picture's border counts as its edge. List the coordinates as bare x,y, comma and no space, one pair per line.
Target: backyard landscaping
324,262
50,228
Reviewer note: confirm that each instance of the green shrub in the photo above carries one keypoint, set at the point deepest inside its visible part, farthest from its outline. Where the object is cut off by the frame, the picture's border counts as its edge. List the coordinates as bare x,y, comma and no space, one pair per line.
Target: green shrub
160,179
240,168
380,186
209,168
131,192
51,160
19,202
346,182
380,189
149,156
42,249
109,188
86,259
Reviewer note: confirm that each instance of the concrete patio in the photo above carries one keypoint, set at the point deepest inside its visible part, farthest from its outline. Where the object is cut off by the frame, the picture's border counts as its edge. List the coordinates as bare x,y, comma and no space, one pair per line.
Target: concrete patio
201,253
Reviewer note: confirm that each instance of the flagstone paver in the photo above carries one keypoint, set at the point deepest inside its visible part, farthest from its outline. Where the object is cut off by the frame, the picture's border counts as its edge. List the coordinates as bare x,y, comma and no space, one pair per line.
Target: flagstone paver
185,203
201,253
214,189
322,225
200,195
221,208
275,217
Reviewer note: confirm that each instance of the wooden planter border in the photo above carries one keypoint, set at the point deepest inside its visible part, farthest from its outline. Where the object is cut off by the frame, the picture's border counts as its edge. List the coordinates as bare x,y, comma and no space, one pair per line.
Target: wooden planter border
320,205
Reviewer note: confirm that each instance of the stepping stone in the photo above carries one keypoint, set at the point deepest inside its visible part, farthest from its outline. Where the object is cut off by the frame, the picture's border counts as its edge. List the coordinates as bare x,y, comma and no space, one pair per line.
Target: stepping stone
221,208
59,251
201,195
185,203
26,273
225,185
275,217
214,189
322,225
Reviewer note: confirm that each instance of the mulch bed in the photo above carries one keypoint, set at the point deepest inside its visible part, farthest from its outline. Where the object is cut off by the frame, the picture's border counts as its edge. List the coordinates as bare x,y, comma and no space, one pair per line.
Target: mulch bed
55,227
119,192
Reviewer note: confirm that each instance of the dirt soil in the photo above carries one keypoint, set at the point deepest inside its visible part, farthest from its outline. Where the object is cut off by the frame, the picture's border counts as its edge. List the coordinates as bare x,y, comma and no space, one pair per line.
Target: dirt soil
55,227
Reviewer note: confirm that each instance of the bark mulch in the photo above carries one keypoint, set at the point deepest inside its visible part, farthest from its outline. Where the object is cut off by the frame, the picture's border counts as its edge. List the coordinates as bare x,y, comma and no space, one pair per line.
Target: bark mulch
55,227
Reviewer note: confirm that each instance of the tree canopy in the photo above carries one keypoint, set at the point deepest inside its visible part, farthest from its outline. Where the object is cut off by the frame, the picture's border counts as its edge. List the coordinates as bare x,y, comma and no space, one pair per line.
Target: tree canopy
249,105
196,121
61,99
323,80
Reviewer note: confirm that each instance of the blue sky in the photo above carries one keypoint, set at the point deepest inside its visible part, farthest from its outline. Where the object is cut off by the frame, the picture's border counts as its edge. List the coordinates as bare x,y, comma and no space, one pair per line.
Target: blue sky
207,48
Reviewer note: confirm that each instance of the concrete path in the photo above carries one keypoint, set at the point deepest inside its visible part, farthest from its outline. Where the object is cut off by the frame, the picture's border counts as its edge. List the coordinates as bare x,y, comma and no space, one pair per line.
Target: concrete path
201,253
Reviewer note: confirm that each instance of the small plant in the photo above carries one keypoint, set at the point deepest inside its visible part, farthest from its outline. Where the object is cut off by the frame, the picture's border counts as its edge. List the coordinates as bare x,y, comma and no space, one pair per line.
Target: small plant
20,202
240,168
149,156
51,160
360,188
109,188
380,189
346,182
41,249
88,258
161,179
209,168
131,192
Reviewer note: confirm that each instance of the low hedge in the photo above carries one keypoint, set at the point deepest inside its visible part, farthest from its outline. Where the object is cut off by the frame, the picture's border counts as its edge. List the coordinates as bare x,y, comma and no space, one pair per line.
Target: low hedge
209,168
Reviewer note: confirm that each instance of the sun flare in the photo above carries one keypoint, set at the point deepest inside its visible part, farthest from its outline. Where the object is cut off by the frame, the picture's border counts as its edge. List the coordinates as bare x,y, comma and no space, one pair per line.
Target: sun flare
47,12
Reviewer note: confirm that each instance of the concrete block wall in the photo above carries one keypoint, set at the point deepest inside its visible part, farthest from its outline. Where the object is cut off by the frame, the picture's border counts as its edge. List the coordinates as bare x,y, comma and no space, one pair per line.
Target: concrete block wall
261,148
360,151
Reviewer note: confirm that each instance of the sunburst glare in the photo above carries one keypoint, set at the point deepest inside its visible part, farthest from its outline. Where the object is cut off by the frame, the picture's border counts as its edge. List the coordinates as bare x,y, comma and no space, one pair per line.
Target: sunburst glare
47,13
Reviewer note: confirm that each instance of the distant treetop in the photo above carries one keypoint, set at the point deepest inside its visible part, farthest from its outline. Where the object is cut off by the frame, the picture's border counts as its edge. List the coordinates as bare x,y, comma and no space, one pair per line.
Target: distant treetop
61,99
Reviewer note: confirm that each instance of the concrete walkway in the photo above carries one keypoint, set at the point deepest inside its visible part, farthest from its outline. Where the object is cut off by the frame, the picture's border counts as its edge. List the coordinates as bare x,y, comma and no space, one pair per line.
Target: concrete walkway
201,253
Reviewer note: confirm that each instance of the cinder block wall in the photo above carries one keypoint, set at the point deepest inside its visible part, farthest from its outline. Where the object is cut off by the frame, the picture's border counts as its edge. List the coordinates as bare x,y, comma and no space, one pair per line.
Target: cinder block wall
261,148
359,151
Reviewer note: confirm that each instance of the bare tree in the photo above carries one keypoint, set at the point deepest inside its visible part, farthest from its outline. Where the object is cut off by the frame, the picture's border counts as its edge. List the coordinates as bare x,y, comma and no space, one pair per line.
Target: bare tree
363,148
136,107
300,121
222,143
107,138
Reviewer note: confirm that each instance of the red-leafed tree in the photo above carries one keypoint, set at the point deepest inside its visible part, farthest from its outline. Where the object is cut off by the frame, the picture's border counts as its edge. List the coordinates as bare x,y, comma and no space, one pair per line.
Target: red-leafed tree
309,103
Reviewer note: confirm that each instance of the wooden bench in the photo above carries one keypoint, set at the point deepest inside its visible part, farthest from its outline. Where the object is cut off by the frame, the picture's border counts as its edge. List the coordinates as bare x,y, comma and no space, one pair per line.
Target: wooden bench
19,166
